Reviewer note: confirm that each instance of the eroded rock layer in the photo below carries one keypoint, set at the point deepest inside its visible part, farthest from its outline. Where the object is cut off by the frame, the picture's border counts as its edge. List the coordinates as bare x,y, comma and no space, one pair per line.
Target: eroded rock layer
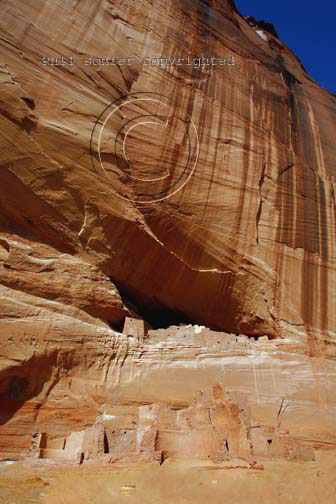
248,242
278,400
245,245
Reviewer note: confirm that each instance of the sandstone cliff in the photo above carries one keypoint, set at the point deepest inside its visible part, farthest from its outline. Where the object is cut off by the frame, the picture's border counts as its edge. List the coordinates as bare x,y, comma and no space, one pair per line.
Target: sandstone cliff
239,237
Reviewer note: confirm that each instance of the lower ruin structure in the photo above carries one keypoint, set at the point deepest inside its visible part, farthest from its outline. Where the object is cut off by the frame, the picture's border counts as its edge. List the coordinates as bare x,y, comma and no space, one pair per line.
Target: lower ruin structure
214,428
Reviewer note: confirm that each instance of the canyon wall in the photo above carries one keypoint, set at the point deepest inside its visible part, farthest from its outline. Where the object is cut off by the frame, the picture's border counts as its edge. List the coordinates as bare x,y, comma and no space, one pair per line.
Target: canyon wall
220,212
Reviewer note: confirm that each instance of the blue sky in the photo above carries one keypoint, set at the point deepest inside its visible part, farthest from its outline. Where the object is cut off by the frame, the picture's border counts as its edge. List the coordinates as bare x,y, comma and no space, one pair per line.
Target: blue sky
307,27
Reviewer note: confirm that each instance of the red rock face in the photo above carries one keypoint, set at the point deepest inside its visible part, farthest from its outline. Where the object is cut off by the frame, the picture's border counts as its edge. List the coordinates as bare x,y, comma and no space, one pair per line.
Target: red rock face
246,244
219,209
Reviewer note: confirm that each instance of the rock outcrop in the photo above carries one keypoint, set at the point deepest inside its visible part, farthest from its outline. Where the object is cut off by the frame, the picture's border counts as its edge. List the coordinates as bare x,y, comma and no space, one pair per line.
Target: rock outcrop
247,243
279,399
227,219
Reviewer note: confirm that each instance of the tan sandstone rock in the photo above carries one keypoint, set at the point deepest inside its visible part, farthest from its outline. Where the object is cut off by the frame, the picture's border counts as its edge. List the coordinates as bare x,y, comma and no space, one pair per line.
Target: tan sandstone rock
245,246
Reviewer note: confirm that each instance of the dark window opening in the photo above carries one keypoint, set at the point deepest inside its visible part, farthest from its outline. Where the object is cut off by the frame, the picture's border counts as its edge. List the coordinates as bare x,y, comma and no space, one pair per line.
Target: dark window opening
106,444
